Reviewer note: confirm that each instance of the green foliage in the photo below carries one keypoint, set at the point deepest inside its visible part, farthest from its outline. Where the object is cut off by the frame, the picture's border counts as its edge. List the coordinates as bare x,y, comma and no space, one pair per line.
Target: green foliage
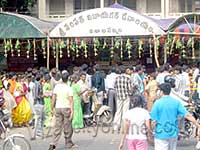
17,45
19,5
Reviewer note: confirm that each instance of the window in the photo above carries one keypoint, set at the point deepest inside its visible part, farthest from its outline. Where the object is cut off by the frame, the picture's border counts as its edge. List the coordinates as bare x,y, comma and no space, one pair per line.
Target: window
153,6
128,3
81,5
56,7
185,6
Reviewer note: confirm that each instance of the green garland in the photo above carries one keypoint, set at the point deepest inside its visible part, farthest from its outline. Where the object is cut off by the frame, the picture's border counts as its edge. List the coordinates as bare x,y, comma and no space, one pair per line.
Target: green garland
17,47
129,47
28,49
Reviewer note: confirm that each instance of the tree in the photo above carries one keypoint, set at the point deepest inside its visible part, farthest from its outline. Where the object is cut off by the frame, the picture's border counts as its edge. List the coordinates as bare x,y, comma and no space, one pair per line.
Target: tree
20,6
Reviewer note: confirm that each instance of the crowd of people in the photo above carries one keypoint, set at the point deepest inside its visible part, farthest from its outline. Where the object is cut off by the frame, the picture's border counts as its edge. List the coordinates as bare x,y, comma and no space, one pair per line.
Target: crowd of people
39,95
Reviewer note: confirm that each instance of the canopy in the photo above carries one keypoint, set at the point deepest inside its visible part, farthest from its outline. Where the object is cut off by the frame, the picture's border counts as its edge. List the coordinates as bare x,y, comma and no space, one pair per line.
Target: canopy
188,24
21,26
103,22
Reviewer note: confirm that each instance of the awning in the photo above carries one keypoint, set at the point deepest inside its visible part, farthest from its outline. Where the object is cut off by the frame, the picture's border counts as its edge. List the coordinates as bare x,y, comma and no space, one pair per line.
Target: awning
106,22
186,25
21,26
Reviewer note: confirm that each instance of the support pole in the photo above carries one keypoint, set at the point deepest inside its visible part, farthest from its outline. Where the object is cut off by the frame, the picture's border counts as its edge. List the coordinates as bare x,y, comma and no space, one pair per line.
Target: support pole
48,51
155,51
57,59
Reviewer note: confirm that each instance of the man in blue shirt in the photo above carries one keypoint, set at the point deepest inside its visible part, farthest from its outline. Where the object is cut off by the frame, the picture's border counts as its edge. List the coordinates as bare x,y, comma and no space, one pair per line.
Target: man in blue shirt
164,116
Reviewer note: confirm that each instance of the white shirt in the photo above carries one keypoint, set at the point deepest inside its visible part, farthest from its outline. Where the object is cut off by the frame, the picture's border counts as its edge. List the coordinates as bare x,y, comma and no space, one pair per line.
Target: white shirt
62,92
110,80
137,117
161,77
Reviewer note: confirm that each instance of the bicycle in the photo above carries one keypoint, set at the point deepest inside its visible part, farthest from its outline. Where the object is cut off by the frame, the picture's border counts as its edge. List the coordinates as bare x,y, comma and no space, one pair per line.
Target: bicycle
13,141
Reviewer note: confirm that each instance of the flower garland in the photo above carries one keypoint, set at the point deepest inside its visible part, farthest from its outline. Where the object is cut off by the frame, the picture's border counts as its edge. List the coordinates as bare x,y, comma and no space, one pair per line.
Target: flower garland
44,48
5,48
11,47
84,47
104,44
140,48
28,49
54,48
34,50
17,47
128,47
96,46
150,48
77,48
68,48
61,46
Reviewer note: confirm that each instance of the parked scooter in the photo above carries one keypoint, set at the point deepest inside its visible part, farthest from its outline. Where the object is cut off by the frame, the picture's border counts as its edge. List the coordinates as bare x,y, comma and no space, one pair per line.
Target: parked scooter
101,114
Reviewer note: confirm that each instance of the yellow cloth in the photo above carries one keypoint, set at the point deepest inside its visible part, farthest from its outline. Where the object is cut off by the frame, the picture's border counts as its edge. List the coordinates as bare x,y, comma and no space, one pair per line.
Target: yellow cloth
22,113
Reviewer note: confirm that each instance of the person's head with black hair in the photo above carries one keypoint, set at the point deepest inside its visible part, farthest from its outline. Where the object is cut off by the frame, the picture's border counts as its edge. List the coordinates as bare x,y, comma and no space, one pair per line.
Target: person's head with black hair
177,69
39,77
96,67
136,101
65,77
165,88
128,70
47,77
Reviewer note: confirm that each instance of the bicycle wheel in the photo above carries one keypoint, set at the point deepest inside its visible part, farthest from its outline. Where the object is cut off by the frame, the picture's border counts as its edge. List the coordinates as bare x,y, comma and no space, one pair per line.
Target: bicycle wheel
19,143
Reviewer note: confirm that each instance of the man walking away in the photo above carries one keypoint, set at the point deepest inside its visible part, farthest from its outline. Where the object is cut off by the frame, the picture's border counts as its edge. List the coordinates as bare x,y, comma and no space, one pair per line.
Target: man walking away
62,100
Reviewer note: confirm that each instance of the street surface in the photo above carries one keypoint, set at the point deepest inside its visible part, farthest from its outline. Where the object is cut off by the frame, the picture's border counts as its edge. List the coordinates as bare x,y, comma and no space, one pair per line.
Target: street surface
90,139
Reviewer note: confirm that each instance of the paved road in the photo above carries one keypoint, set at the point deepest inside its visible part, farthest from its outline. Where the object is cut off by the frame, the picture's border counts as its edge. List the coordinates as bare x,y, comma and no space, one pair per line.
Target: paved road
92,139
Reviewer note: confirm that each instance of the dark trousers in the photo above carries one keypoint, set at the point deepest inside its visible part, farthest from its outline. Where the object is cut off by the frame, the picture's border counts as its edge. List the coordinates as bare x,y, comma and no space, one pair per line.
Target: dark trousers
112,100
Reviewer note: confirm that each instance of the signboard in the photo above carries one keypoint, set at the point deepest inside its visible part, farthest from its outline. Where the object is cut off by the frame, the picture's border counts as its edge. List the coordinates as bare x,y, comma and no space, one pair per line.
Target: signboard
103,22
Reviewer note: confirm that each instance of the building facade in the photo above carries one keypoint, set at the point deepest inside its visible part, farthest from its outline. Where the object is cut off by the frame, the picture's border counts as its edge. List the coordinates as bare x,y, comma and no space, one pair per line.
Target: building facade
58,10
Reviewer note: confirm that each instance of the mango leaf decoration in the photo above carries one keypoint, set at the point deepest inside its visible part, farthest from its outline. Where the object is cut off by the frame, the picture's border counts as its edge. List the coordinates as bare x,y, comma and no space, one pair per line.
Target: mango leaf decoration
117,44
29,45
28,49
179,44
128,44
104,44
72,47
8,45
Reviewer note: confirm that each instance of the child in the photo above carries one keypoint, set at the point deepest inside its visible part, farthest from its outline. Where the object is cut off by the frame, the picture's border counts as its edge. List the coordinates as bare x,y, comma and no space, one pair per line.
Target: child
136,121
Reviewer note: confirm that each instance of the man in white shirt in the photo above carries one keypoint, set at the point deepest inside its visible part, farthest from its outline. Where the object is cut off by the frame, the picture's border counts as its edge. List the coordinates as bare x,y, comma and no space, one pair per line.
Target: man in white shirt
110,89
62,100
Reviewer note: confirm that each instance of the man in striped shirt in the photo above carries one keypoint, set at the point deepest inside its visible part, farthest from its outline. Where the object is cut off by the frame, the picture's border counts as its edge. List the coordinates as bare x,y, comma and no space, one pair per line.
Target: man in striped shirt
123,90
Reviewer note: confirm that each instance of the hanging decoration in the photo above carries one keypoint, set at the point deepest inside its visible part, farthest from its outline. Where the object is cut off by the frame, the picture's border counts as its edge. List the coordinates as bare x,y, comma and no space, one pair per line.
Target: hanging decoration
96,46
17,47
179,44
54,48
77,40
61,46
5,48
121,48
11,48
112,48
72,46
128,47
140,47
34,50
105,44
68,49
44,48
84,47
28,49
117,44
